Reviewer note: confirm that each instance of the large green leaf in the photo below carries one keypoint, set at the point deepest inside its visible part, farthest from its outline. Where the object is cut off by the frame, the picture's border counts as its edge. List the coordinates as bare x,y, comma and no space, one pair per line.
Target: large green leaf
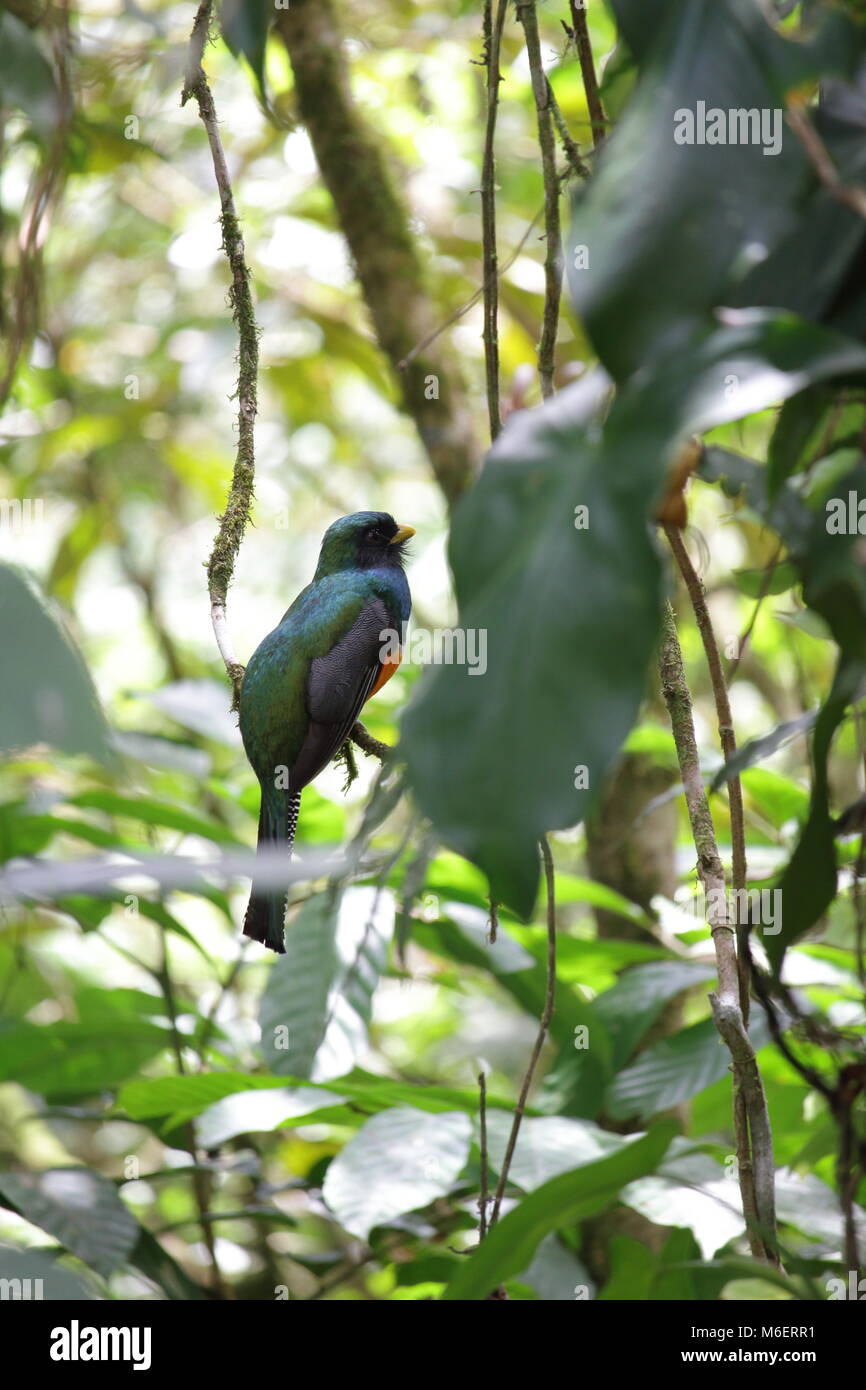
160,813
638,997
32,1274
80,1208
669,229
399,1161
548,1146
493,757
63,1059
675,1069
808,884
632,1270
250,1112
46,694
571,1197
244,25
26,78
316,1008
181,1098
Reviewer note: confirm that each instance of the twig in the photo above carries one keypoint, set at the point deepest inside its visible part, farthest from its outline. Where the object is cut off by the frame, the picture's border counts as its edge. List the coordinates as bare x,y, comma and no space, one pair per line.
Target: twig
848,1174
368,744
42,200
851,1157
483,1196
492,39
819,157
755,1170
729,747
572,153
473,298
766,581
857,896
493,922
233,522
580,34
526,13
201,1181
543,1026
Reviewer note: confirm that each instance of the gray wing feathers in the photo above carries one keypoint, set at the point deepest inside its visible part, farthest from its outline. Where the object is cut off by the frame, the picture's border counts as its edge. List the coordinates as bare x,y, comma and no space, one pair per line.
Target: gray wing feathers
337,686
336,681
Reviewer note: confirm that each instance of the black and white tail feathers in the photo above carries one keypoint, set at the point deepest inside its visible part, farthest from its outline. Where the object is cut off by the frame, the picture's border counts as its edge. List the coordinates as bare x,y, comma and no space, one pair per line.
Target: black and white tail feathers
278,820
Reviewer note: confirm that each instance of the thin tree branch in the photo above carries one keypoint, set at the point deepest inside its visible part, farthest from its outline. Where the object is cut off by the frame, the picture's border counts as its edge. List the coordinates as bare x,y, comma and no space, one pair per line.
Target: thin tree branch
755,1170
572,152
493,26
766,581
42,201
483,1196
473,298
368,744
580,34
493,922
526,13
541,1036
233,522
852,195
201,1181
729,747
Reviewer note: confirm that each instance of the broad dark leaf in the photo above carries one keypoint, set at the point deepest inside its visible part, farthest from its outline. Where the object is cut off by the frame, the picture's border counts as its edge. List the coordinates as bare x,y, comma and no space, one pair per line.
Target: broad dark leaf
46,694
80,1208
667,230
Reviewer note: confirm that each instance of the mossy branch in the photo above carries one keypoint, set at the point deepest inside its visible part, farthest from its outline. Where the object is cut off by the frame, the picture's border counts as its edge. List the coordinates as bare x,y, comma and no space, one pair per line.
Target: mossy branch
233,522
756,1170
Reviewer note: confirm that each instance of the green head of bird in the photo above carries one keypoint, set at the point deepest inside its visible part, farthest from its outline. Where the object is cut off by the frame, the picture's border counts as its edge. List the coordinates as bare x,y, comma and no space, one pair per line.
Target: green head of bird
364,540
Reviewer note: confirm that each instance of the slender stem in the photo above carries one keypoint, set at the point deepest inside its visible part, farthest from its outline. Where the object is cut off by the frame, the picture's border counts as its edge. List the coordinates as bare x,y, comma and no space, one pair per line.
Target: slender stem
473,299
483,1196
493,25
493,922
43,198
755,1170
847,1179
583,44
572,153
233,522
200,1180
544,1025
766,581
526,13
729,747
852,195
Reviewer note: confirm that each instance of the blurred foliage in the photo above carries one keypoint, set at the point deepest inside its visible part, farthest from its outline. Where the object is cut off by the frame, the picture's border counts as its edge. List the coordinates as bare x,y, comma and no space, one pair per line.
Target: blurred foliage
178,1114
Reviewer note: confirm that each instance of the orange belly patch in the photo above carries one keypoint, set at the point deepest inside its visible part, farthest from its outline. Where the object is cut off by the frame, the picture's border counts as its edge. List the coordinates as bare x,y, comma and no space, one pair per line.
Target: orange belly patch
387,671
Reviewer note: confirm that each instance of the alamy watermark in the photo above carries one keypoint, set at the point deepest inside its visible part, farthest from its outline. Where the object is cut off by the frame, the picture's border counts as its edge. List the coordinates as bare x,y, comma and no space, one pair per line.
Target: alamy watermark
712,125
440,646
21,514
760,908
846,516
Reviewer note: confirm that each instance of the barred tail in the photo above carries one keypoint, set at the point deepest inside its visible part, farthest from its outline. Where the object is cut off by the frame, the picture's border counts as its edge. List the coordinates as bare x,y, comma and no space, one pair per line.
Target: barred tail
278,819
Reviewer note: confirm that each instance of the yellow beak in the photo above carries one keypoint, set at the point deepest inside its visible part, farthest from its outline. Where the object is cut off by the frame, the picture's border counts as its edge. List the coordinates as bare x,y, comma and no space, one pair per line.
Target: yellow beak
402,534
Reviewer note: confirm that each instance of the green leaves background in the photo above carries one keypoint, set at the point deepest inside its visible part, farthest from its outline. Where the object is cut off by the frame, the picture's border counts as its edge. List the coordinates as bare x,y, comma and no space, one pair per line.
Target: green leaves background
328,1101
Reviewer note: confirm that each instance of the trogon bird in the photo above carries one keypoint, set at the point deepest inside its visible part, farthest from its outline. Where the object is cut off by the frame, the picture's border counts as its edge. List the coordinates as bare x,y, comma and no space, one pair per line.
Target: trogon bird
307,681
